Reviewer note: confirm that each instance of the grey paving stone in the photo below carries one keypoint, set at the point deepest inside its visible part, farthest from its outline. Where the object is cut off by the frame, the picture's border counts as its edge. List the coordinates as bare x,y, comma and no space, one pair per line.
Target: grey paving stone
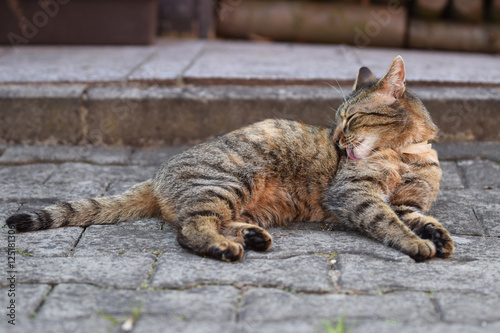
59,154
168,63
4,50
26,174
236,59
363,273
45,243
27,183
71,172
6,210
213,93
489,216
290,326
162,324
32,92
159,324
121,271
234,62
50,193
456,218
360,326
27,298
155,156
94,323
288,243
72,301
481,174
468,150
468,308
303,273
451,176
141,236
470,248
426,66
118,187
392,327
72,64
471,197
454,209
317,226
263,305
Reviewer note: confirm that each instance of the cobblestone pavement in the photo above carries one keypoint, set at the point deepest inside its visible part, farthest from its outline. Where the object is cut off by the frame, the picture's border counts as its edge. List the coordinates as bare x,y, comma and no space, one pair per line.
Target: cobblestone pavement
104,278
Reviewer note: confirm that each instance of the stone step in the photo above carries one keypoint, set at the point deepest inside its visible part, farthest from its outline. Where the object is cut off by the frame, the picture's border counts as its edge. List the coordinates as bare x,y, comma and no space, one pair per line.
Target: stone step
151,116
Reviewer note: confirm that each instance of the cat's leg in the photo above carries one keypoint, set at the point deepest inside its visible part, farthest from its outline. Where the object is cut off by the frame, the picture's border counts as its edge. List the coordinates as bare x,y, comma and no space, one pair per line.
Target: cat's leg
427,227
361,205
201,233
200,223
251,236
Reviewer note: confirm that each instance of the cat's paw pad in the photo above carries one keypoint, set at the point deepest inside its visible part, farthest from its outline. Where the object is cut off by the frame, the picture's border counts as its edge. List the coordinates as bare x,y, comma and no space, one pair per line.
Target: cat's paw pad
226,251
257,239
422,250
440,237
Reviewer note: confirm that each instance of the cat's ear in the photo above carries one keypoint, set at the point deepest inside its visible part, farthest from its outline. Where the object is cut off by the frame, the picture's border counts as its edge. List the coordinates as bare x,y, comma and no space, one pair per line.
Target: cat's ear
365,76
393,84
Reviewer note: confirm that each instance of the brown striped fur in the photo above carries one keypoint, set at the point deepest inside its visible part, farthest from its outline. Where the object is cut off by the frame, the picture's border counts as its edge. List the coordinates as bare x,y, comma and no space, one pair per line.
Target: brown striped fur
222,194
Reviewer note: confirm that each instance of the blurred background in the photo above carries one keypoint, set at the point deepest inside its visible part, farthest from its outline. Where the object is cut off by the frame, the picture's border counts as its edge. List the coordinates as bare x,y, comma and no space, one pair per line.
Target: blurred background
459,25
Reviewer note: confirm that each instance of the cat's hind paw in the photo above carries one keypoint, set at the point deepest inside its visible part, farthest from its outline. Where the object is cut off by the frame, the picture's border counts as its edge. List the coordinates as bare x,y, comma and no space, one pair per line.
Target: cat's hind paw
251,236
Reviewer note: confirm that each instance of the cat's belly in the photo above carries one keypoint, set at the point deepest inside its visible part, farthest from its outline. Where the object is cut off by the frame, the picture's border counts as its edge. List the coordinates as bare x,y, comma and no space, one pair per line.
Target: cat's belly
276,205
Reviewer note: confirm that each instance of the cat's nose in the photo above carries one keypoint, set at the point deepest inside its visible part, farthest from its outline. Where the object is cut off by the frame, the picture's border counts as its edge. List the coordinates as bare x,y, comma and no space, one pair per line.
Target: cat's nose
337,136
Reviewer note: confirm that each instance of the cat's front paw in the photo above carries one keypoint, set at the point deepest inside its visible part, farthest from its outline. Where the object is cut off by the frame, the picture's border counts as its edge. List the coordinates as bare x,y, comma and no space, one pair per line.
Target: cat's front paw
421,250
439,236
226,251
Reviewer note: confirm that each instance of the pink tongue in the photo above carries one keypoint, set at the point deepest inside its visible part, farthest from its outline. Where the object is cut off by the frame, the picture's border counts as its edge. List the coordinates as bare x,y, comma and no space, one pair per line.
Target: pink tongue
351,154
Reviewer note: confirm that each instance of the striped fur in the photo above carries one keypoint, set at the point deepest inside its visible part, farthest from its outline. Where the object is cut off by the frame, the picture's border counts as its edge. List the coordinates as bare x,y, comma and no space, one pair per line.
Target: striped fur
222,194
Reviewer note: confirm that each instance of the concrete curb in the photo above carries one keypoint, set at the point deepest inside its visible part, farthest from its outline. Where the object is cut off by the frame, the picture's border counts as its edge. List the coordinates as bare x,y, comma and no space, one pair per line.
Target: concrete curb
177,115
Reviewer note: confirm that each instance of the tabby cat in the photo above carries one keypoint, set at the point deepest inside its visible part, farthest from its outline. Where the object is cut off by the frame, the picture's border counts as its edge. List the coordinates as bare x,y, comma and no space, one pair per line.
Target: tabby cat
374,172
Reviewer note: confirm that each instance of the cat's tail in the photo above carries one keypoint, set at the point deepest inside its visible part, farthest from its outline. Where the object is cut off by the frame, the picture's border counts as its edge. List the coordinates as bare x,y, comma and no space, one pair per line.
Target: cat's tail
138,202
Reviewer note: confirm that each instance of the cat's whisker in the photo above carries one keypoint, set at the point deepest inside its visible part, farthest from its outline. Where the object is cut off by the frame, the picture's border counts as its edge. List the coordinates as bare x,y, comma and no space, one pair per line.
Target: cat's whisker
340,92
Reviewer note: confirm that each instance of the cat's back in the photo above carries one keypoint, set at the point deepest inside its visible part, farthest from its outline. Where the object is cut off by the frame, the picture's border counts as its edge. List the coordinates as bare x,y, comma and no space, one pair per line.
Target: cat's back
283,146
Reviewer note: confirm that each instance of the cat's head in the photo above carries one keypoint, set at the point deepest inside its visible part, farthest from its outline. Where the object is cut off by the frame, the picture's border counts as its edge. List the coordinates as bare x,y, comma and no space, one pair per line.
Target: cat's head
381,113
